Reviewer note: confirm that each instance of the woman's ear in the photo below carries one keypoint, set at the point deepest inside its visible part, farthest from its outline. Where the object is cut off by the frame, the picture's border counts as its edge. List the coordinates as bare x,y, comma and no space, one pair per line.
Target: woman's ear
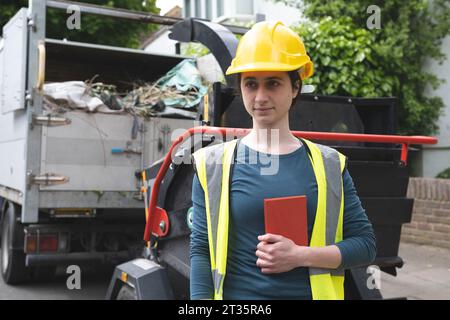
297,88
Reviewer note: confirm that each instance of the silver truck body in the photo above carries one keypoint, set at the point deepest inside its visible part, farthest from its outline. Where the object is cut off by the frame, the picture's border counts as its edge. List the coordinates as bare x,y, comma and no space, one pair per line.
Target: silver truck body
61,171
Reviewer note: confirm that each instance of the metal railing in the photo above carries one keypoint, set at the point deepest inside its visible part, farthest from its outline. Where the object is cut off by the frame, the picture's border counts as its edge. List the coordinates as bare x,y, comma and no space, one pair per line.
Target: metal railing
126,14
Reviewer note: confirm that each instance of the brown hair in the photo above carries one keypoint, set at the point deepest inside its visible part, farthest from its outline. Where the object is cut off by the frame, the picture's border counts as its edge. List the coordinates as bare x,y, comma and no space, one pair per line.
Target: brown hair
294,76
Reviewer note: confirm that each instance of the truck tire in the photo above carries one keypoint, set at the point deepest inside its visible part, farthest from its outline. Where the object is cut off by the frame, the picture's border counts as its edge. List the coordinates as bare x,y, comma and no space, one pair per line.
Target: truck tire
127,293
13,267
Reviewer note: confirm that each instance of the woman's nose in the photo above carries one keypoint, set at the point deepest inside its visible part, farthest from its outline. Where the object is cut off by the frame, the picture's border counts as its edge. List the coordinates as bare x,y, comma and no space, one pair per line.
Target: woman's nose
261,95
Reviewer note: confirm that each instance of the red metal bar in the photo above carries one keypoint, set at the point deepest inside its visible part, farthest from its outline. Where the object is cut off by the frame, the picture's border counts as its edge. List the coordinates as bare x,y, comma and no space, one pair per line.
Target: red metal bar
152,224
404,154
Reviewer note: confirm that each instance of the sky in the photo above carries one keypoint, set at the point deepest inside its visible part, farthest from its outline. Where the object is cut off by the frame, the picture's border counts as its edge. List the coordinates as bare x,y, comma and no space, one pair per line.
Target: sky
166,5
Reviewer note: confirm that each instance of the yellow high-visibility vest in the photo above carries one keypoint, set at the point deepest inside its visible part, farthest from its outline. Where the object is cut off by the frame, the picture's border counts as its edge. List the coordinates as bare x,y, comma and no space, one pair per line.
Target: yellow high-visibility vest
213,166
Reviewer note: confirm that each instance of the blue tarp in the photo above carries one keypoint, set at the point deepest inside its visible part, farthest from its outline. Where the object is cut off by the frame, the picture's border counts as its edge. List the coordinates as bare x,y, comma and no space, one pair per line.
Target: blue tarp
185,77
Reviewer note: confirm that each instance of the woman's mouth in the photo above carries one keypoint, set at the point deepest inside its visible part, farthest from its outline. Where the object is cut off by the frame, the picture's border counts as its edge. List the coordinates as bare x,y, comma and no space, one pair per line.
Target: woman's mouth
262,109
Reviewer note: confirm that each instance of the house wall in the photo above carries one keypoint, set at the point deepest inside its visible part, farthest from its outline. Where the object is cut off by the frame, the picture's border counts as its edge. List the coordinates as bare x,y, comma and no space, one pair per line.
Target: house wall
437,158
430,222
162,45
211,9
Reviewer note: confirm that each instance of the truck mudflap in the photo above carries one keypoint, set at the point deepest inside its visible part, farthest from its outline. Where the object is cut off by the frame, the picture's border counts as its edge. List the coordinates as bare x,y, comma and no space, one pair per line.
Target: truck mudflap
140,279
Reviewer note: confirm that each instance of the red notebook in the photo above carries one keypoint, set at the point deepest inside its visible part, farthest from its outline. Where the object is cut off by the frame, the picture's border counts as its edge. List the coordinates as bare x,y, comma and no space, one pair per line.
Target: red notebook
287,216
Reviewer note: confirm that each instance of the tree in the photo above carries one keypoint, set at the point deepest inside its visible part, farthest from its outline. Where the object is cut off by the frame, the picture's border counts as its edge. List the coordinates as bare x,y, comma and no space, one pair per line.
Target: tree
379,62
94,29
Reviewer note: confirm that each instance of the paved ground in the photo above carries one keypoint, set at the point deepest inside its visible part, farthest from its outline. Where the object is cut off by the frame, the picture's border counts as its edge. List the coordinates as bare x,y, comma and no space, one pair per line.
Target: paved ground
425,275
94,284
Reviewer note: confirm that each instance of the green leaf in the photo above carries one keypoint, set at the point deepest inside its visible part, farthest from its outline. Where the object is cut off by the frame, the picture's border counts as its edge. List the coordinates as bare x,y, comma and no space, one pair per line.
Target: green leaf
360,57
326,60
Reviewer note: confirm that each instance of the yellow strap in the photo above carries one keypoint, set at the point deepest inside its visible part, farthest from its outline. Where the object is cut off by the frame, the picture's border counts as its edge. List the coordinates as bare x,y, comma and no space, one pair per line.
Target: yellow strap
338,283
340,226
200,162
325,286
320,222
222,229
320,287
206,108
144,192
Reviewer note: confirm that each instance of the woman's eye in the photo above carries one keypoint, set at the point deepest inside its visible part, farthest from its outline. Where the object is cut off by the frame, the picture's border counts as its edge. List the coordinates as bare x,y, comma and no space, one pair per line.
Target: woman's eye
250,85
273,84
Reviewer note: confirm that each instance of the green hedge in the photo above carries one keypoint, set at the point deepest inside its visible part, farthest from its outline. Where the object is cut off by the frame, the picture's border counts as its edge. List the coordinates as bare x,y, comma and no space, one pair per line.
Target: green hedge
352,60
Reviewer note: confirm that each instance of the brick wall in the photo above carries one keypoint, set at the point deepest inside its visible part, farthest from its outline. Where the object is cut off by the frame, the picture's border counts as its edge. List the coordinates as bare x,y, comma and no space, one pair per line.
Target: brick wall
430,223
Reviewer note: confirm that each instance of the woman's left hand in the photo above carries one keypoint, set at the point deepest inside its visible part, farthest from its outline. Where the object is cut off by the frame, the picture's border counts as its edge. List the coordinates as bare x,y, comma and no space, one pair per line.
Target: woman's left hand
278,254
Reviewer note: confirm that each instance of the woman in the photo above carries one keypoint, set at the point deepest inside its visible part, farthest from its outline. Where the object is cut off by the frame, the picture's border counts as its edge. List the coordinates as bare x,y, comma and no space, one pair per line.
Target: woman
231,256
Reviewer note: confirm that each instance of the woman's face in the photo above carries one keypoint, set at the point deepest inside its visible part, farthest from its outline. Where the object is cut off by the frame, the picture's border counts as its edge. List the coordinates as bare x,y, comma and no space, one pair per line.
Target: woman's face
267,95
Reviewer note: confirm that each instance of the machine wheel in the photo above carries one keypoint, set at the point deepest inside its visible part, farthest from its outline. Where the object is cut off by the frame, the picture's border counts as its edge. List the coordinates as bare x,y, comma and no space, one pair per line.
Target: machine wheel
13,267
127,293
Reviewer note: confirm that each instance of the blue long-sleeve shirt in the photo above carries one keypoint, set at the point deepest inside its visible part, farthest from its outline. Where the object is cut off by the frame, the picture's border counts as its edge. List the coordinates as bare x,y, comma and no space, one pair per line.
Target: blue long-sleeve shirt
249,188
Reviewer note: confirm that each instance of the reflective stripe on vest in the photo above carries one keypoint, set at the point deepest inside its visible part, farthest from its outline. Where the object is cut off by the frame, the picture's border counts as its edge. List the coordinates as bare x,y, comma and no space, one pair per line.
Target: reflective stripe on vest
328,165
213,165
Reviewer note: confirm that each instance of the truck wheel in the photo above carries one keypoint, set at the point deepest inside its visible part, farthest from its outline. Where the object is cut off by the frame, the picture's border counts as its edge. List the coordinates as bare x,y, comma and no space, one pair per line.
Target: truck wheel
127,293
12,256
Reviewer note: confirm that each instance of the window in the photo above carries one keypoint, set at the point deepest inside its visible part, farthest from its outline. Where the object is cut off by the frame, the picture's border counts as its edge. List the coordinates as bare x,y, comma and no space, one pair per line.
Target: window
244,7
187,8
198,8
208,9
220,8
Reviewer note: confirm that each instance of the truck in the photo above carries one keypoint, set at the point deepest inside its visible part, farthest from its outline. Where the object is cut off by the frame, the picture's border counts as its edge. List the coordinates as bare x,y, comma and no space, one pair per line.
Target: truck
68,189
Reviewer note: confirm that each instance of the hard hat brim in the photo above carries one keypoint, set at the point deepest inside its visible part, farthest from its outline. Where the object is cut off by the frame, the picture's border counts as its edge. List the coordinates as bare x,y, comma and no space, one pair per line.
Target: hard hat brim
271,66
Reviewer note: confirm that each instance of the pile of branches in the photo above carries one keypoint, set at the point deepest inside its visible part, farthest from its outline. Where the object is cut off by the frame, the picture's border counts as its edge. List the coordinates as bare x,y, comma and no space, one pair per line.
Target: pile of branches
145,100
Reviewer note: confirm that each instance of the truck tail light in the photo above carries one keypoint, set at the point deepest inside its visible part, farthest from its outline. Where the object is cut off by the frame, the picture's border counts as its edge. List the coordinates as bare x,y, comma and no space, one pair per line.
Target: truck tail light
35,243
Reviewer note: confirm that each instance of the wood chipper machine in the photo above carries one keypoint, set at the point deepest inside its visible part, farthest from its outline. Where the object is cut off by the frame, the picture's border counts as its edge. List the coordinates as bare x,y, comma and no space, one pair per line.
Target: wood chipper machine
362,129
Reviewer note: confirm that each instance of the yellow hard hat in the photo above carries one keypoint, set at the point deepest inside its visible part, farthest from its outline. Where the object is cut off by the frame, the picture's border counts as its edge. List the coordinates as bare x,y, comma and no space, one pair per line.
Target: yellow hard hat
271,46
